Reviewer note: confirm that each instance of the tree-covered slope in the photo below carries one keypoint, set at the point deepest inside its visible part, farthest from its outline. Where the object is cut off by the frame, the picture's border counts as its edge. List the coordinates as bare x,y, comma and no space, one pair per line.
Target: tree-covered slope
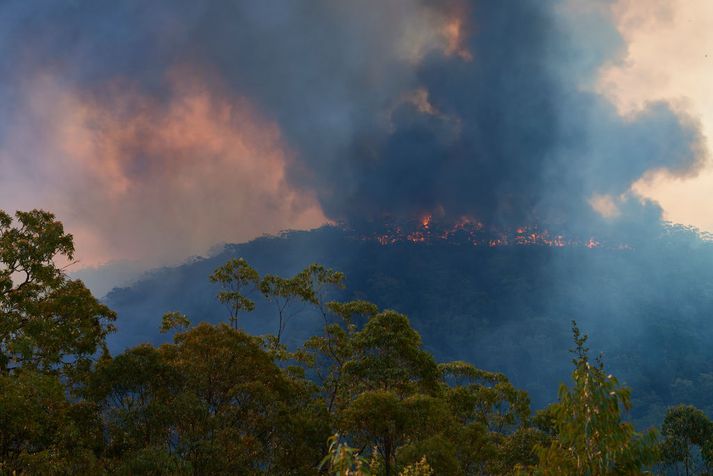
648,307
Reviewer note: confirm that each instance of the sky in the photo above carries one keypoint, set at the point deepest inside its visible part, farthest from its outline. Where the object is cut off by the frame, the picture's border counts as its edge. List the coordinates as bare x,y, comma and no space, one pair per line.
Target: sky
669,57
157,130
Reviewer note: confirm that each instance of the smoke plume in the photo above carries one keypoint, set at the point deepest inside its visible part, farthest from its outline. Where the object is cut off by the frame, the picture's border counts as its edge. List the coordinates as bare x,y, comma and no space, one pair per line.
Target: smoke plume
179,124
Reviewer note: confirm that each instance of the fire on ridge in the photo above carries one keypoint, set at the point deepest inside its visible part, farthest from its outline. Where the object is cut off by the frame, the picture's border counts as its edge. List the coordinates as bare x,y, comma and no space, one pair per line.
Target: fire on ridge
473,232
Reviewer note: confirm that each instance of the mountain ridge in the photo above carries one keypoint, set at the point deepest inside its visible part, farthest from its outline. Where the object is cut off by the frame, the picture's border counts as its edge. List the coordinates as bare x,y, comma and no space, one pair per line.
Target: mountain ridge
505,309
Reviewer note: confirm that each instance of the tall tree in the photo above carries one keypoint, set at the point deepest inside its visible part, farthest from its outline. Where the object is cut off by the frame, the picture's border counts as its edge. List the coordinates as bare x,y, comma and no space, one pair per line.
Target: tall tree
311,286
236,279
288,295
41,432
492,433
322,282
591,437
328,354
47,321
392,387
684,428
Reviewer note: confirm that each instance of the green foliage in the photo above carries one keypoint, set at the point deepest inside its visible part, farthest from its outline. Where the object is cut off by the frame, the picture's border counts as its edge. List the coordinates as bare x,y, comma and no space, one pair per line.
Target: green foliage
236,277
174,320
46,320
388,356
50,329
421,468
321,281
40,431
214,399
430,455
685,427
518,450
486,398
343,460
309,286
284,293
151,461
390,381
388,395
130,390
328,354
591,438
379,418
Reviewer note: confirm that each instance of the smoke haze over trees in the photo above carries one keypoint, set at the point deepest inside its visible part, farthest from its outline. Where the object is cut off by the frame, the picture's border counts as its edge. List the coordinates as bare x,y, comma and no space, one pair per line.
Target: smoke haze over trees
505,308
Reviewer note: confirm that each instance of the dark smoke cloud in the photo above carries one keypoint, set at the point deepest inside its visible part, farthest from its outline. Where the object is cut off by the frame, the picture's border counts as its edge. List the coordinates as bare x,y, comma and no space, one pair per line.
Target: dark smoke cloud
516,139
392,108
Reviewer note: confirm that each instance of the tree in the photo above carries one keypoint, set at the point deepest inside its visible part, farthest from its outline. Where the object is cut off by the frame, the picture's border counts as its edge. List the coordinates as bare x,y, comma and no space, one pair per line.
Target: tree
47,321
388,356
343,460
486,398
283,293
238,410
320,281
392,388
591,438
41,432
390,398
236,278
217,401
420,468
174,320
214,402
328,354
51,327
134,392
406,427
684,427
312,286
492,434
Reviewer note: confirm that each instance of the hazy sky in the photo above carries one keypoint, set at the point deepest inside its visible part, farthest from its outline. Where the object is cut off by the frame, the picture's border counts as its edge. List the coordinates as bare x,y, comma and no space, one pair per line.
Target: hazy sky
670,56
156,130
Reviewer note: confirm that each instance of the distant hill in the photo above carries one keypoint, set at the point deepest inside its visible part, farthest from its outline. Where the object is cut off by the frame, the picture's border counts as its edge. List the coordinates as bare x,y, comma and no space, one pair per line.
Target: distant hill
649,309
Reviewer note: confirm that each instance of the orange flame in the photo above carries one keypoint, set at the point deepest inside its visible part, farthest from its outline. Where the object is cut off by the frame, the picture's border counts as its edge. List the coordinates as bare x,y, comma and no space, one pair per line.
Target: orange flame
425,221
473,232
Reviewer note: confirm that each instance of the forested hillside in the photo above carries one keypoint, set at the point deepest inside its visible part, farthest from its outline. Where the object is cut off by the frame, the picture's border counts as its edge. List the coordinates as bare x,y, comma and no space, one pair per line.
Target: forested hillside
648,308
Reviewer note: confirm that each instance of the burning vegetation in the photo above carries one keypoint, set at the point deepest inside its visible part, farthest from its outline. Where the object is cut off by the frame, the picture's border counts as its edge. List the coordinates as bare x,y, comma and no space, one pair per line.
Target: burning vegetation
473,232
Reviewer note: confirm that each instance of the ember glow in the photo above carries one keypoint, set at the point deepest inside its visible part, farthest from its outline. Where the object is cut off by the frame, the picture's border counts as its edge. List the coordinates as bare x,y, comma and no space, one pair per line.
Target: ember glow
472,232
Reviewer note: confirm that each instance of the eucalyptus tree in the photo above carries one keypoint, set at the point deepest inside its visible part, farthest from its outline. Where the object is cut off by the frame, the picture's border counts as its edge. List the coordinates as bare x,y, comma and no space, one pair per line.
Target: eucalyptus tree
47,321
237,279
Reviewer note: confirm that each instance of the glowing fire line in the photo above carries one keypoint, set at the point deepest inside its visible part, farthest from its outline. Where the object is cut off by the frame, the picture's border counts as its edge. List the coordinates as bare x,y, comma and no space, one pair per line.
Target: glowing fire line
475,233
